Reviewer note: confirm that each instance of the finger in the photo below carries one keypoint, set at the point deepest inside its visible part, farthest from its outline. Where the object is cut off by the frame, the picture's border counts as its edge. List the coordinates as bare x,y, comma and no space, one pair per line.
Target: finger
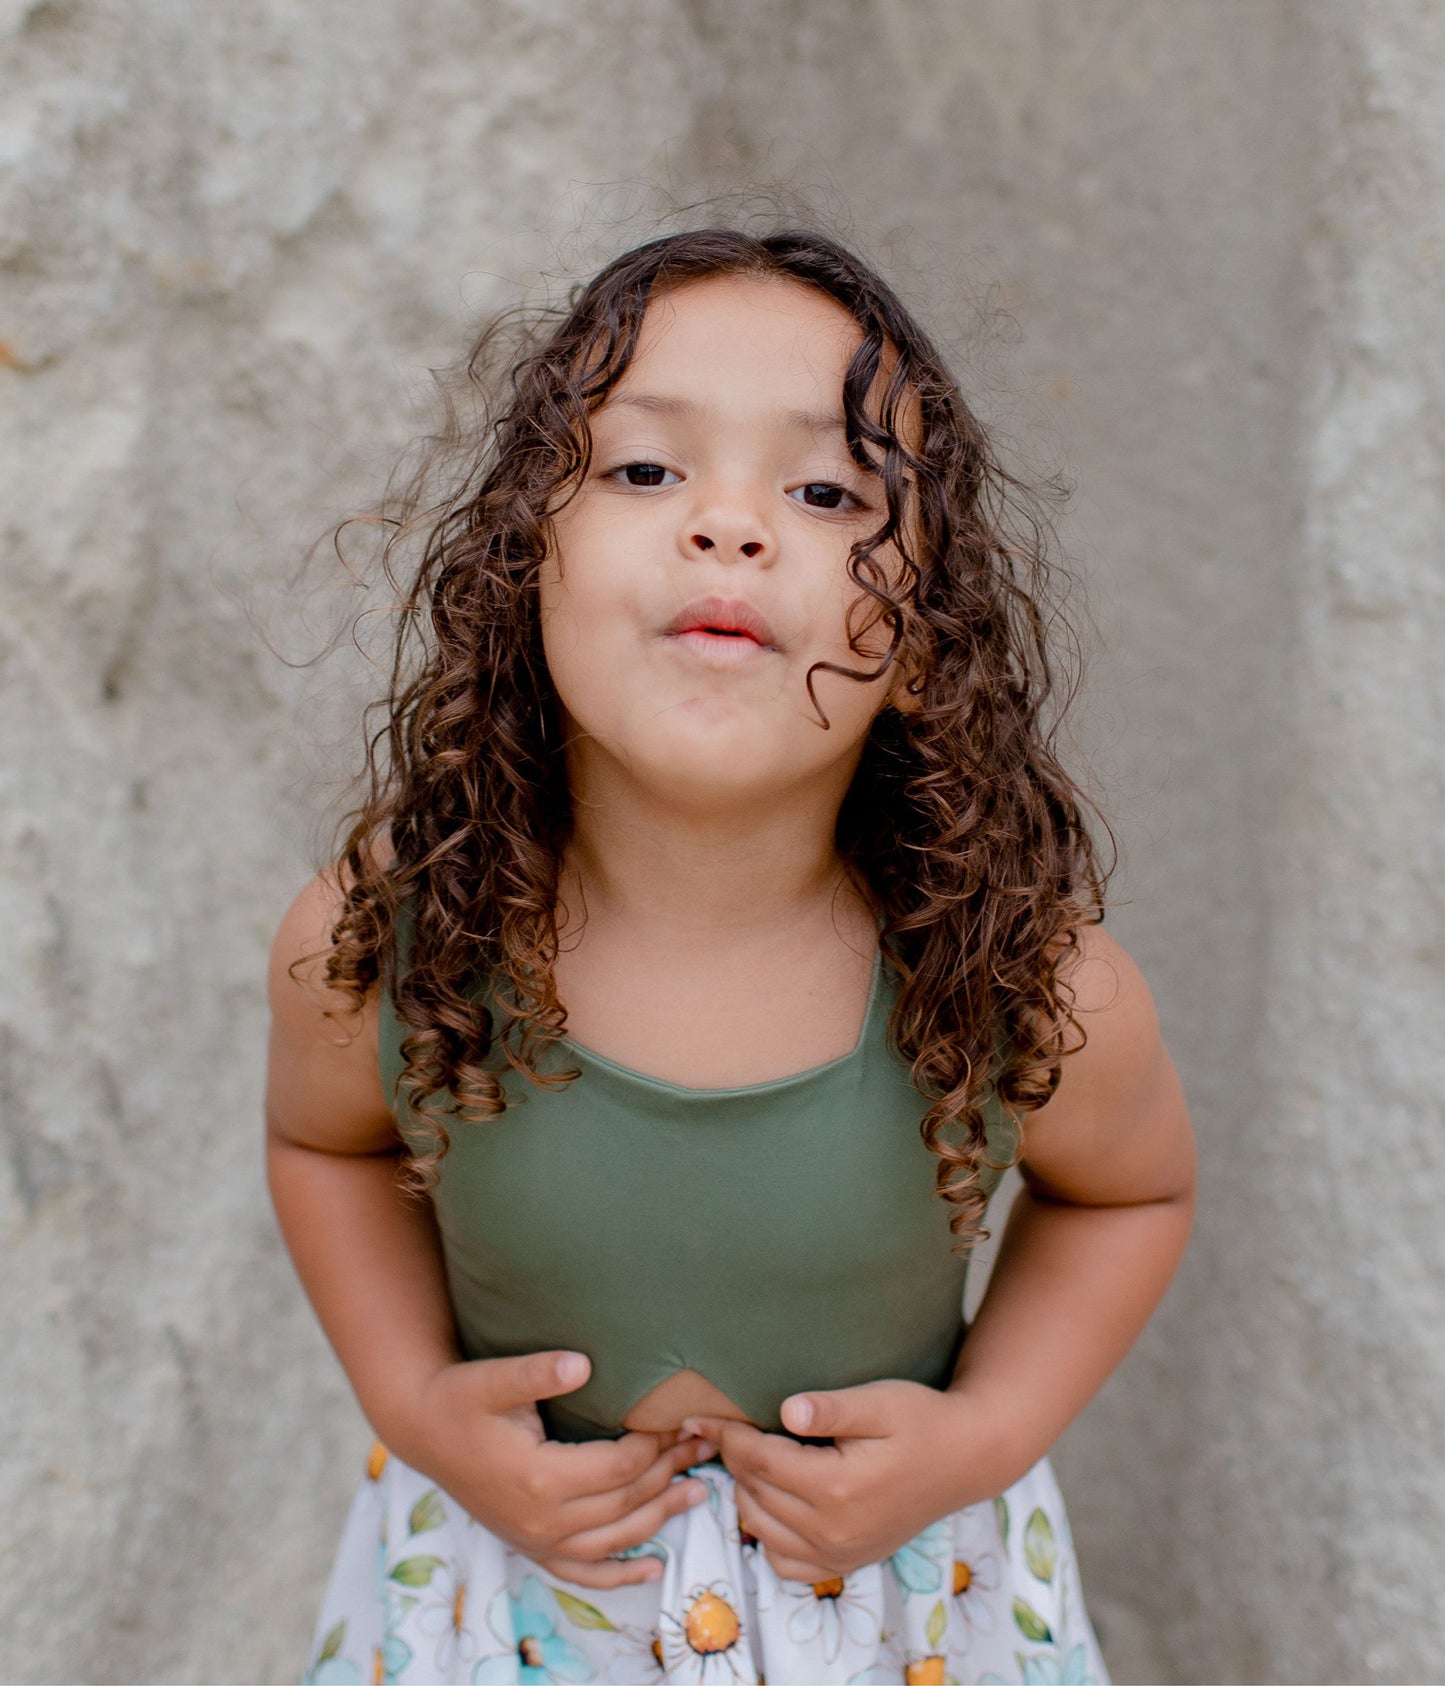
602,1576
599,1510
788,1510
639,1526
508,1383
776,1538
749,1453
863,1413
628,1495
769,1531
709,1427
602,1466
797,1569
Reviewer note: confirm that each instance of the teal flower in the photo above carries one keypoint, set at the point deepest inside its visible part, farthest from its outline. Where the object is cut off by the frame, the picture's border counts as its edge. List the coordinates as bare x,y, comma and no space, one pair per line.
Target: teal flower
539,1654
918,1565
395,1655
1047,1670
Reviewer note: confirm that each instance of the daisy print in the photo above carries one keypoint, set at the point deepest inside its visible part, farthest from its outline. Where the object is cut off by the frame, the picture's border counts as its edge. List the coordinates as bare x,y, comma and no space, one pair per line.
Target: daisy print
976,1569
705,1641
830,1612
630,1654
443,1613
526,1624
636,1656
918,1566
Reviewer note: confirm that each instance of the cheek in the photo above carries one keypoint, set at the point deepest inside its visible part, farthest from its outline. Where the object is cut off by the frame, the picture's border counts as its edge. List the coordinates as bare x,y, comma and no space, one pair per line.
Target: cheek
582,599
572,659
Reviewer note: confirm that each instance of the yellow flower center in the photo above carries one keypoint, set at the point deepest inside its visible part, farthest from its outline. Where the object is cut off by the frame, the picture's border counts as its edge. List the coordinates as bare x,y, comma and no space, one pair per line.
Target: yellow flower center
831,1588
459,1606
712,1625
376,1460
927,1671
962,1577
530,1651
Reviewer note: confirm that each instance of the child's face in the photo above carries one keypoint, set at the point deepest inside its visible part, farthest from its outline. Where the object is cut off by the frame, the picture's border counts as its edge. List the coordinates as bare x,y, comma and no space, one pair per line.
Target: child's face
722,495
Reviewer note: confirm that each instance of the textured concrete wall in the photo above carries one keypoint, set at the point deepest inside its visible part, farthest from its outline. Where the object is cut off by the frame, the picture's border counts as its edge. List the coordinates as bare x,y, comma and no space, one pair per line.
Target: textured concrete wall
230,237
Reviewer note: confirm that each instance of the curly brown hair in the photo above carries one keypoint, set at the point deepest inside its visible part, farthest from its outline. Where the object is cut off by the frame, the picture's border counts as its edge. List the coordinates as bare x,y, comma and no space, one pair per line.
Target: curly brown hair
961,820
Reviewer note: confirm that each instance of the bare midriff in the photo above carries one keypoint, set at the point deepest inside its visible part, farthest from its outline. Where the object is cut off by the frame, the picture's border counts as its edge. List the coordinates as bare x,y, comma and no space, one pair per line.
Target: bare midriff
685,1393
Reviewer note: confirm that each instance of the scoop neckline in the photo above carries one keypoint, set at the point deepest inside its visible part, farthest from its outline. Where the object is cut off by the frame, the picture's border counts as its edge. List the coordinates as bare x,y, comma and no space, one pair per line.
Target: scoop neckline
632,1075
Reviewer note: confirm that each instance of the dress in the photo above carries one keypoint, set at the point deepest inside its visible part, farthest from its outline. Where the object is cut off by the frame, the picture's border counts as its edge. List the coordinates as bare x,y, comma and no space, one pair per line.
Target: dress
422,1593
777,1237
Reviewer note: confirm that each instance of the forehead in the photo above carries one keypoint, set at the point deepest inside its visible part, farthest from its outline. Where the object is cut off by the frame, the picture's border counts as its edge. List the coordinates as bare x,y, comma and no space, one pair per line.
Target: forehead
763,343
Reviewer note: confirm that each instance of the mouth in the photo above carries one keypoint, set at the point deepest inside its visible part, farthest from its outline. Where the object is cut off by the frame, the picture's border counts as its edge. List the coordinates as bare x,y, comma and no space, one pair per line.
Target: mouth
717,622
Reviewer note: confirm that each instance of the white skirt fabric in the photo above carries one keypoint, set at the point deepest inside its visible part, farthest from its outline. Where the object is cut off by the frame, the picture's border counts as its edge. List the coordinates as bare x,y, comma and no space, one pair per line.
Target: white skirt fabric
420,1592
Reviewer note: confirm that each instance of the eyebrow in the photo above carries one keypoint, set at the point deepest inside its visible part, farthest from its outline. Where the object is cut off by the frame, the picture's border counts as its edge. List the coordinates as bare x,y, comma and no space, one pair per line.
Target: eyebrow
660,404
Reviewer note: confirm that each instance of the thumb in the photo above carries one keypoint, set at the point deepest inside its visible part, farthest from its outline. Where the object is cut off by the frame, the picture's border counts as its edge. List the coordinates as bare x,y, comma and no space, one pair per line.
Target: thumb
844,1413
512,1382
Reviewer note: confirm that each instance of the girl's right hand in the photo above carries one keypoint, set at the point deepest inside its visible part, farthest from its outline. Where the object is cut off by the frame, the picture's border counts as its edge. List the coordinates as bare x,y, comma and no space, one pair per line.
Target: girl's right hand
475,1430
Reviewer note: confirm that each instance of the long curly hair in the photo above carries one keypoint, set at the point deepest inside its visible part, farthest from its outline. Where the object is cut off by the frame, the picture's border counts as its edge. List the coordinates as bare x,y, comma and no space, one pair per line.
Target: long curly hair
961,820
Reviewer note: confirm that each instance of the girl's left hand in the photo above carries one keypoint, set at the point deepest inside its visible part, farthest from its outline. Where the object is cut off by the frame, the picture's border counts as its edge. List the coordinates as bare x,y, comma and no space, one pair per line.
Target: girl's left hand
904,1456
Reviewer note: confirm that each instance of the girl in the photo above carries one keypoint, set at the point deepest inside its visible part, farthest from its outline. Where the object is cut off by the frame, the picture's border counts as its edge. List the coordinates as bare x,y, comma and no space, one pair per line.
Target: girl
718,926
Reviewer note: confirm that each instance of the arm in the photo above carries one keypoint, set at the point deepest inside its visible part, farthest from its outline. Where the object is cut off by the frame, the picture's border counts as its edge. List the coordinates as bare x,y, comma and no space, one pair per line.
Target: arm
1098,1230
1092,1243
368,1258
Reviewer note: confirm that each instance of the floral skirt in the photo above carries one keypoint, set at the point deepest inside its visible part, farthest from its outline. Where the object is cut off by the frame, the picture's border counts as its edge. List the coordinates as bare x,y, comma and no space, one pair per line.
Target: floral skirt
420,1592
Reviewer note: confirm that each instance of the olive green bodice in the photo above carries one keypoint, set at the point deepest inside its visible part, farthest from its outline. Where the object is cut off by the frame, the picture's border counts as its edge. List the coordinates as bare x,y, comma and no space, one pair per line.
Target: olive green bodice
774,1237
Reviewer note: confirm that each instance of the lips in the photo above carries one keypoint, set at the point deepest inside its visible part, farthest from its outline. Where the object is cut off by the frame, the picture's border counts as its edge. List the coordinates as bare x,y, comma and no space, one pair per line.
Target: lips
722,618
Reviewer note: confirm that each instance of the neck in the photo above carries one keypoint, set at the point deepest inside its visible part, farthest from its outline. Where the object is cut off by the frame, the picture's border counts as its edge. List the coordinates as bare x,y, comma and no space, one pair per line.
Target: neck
715,875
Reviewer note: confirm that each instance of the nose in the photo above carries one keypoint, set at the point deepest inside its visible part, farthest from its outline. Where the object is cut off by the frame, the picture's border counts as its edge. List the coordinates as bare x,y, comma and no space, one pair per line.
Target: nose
749,547
728,526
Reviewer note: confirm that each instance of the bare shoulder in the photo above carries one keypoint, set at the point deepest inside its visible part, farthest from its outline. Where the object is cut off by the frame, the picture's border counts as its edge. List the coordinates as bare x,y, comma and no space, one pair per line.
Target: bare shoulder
323,1084
1117,1128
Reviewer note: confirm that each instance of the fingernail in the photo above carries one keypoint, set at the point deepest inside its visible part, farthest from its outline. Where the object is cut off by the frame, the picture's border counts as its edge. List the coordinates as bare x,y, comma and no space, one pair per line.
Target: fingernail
801,1413
653,1571
696,1492
571,1369
705,1450
689,1425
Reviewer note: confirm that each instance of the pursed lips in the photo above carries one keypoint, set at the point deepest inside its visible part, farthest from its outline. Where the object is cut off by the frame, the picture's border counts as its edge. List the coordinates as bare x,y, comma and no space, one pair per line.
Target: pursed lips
715,623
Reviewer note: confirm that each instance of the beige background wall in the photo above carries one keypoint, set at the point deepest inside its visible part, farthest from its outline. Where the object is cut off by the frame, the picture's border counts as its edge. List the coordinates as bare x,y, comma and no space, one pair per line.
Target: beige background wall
231,238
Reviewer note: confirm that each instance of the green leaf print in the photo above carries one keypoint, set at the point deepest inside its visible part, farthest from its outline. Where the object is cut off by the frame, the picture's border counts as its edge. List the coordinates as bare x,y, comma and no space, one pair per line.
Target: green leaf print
1030,1623
937,1623
1041,1551
580,1613
1000,1516
416,1571
428,1512
332,1643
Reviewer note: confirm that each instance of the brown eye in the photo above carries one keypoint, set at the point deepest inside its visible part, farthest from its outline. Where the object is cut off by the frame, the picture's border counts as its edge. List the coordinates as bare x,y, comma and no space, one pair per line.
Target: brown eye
644,473
824,494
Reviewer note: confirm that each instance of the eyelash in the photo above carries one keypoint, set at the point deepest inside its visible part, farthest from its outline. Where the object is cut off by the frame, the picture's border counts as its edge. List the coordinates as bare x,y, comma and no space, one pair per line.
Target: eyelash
857,503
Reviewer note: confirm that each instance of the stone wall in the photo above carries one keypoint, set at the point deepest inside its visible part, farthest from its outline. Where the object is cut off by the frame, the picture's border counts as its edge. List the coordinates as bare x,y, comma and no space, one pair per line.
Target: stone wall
1190,252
